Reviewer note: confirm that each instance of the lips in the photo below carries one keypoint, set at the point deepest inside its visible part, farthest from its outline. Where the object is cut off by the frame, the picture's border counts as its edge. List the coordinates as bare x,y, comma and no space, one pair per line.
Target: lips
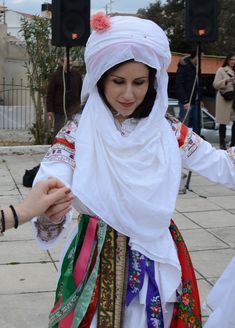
126,104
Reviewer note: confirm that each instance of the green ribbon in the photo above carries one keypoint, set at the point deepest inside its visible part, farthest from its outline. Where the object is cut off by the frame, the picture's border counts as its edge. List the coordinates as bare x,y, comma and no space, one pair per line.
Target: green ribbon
81,296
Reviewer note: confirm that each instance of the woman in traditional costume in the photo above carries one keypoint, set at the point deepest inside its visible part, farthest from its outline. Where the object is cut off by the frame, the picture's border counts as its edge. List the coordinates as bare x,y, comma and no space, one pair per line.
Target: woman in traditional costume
126,264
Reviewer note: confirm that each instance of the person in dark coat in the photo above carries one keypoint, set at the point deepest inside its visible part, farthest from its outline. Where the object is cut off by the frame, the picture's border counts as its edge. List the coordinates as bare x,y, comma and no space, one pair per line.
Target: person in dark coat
63,94
186,89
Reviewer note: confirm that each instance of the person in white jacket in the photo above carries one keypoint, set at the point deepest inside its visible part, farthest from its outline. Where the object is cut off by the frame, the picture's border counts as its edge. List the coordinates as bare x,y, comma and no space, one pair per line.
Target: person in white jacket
125,263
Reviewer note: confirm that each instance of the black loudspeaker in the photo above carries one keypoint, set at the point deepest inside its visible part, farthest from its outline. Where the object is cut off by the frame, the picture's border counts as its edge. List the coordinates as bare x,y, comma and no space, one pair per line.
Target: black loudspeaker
201,20
70,22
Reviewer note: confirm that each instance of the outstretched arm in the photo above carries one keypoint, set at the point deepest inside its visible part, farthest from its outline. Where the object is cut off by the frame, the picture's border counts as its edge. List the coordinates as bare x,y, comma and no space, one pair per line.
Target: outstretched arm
47,196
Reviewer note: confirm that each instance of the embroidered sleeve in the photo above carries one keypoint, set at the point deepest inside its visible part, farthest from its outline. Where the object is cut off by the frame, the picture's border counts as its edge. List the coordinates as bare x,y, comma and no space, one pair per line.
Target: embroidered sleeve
201,157
63,148
59,162
188,141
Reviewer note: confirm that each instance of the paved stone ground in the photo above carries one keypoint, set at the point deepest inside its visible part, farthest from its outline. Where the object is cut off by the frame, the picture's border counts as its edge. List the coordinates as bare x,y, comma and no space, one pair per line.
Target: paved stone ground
205,216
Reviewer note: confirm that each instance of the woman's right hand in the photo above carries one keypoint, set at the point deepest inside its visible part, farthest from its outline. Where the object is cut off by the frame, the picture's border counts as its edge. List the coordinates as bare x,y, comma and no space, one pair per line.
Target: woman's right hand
57,210
231,79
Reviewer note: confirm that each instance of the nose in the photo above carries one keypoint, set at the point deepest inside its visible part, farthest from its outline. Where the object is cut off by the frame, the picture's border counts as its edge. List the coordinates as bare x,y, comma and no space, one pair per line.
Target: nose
128,92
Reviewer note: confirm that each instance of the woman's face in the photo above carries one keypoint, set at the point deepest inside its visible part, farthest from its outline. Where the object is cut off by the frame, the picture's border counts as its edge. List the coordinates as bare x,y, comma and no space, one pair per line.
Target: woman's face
231,62
125,88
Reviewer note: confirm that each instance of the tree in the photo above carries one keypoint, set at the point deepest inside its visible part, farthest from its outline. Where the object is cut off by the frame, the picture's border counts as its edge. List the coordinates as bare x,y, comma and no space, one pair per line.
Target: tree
42,61
226,23
171,17
153,12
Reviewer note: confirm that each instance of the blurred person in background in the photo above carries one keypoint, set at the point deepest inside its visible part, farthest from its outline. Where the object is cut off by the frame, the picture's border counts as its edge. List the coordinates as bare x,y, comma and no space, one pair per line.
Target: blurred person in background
186,88
63,93
224,84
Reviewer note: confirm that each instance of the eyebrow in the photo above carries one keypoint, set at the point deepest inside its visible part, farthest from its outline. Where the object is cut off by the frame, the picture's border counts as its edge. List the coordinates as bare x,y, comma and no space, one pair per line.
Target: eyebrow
121,77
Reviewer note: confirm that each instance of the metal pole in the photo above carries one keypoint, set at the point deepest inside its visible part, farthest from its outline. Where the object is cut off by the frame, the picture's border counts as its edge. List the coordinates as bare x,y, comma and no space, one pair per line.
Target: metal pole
199,86
199,54
68,68
4,12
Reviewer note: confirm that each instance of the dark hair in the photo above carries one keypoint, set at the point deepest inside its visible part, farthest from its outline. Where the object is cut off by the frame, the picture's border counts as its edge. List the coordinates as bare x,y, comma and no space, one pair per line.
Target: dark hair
144,109
227,58
72,109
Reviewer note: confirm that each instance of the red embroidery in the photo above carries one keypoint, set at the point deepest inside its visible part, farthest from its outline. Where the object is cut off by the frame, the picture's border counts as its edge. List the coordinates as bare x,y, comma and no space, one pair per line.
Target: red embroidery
183,135
64,142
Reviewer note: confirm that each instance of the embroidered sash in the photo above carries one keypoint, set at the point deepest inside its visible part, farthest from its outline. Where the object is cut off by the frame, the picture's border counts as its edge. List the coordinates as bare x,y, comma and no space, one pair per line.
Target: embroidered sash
187,311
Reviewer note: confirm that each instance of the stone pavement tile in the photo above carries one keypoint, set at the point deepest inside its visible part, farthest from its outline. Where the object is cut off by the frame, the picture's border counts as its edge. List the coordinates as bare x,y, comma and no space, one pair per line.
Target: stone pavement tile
210,219
212,281
21,252
38,157
7,180
226,202
210,264
198,275
188,194
194,205
23,232
204,288
197,180
225,234
7,200
15,160
4,172
9,189
28,277
199,239
213,190
28,310
184,223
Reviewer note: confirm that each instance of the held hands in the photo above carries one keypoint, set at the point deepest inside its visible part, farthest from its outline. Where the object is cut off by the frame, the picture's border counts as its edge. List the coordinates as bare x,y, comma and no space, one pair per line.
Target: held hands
58,209
50,197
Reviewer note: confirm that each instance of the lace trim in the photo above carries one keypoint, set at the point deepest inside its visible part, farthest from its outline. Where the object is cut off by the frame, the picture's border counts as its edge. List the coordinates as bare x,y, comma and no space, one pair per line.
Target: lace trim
46,229
231,154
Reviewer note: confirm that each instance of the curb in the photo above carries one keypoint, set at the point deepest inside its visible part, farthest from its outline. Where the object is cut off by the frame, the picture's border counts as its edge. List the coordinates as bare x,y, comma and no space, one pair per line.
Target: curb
21,150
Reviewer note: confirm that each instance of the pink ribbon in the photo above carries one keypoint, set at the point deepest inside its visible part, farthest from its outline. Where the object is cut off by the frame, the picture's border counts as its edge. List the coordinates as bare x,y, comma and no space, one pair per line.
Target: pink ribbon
81,265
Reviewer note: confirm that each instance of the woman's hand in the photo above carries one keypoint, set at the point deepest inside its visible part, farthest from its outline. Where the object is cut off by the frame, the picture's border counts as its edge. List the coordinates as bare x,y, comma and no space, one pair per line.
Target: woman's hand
231,79
47,196
57,211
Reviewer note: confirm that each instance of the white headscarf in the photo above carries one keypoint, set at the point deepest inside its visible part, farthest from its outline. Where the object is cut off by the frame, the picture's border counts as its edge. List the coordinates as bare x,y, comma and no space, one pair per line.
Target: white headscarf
130,182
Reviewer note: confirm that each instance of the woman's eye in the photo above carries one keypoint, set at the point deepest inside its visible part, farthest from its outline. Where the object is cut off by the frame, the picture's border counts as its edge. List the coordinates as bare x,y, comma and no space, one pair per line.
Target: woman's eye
139,82
118,81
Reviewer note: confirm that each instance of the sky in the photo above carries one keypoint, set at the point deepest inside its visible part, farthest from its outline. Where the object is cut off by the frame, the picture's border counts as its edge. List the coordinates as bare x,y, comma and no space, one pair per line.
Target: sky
34,6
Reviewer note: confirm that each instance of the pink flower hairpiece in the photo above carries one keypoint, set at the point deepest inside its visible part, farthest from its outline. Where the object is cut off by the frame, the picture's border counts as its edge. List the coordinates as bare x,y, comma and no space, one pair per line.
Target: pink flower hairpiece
100,22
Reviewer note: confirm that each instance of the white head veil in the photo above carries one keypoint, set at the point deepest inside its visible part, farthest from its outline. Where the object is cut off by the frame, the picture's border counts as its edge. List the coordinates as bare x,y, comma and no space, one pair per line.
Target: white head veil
130,182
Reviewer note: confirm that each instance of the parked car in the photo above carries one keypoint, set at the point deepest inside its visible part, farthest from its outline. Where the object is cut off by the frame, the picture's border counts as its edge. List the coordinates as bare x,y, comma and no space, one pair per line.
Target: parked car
208,120
209,129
